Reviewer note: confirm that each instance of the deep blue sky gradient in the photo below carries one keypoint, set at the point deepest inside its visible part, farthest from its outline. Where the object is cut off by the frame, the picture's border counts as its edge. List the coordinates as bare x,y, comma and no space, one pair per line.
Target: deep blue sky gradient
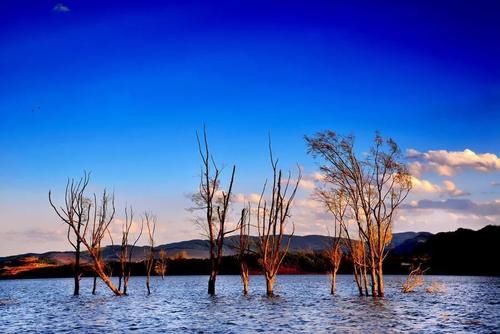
120,87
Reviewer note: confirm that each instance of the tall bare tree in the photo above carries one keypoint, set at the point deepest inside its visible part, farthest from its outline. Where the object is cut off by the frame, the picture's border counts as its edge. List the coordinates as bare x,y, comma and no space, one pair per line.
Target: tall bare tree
74,213
272,218
337,205
214,201
375,187
244,247
127,250
78,207
150,222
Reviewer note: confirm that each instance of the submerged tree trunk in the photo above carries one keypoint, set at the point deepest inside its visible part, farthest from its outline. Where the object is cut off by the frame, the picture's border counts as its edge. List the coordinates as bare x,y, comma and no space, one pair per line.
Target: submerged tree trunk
373,278
76,290
211,283
380,279
333,287
358,277
269,286
148,279
244,277
102,275
94,287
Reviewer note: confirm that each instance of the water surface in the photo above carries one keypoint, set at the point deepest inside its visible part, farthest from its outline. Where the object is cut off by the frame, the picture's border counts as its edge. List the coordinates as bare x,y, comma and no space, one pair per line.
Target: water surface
180,303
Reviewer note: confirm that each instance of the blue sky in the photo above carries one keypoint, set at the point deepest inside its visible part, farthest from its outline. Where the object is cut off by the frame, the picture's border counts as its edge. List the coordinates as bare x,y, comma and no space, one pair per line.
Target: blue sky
119,88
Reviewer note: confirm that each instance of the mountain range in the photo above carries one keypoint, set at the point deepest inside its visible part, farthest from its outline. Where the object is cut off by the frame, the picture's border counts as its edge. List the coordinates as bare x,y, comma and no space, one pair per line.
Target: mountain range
462,251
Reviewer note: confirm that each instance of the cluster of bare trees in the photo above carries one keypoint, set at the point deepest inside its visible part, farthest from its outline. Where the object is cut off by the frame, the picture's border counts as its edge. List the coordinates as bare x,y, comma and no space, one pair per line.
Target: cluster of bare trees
272,216
361,191
363,195
88,220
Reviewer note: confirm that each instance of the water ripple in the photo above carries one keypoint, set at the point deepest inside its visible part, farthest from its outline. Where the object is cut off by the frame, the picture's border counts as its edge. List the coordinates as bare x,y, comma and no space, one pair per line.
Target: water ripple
180,304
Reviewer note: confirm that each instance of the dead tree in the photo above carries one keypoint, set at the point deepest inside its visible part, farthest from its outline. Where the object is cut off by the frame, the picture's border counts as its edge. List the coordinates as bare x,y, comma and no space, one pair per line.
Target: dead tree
98,246
74,214
375,186
414,280
104,214
244,247
127,250
150,222
161,264
272,218
214,201
337,205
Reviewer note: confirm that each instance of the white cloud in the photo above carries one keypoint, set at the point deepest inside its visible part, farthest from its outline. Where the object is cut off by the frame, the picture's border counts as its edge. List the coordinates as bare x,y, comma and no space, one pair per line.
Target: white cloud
448,163
447,188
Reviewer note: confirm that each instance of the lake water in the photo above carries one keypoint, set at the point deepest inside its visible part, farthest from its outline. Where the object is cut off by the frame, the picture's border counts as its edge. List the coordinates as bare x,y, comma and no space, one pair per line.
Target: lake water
180,304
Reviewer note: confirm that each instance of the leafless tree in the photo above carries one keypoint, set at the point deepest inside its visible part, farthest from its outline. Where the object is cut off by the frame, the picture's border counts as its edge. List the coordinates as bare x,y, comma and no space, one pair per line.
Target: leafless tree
214,201
244,247
414,280
375,186
74,213
161,264
150,222
77,205
337,205
272,218
127,250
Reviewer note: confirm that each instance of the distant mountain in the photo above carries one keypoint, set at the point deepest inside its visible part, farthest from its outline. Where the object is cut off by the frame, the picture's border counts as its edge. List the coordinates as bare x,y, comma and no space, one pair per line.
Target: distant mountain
460,252
404,244
197,248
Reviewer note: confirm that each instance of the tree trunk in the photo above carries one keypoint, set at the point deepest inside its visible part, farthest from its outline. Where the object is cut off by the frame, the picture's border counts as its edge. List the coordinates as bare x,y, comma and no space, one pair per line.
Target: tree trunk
358,278
95,285
211,283
333,288
76,290
269,286
244,277
125,285
365,281
373,277
380,279
105,278
148,279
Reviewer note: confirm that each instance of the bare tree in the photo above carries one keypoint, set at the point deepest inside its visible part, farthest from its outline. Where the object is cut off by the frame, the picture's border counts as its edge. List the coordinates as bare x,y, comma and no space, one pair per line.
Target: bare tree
272,218
414,280
215,203
150,221
127,250
375,187
337,202
78,206
74,213
337,205
244,247
161,264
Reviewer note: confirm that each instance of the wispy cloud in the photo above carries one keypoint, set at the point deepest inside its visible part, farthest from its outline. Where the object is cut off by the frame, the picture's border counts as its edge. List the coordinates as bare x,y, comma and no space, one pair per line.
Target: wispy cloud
457,205
60,8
